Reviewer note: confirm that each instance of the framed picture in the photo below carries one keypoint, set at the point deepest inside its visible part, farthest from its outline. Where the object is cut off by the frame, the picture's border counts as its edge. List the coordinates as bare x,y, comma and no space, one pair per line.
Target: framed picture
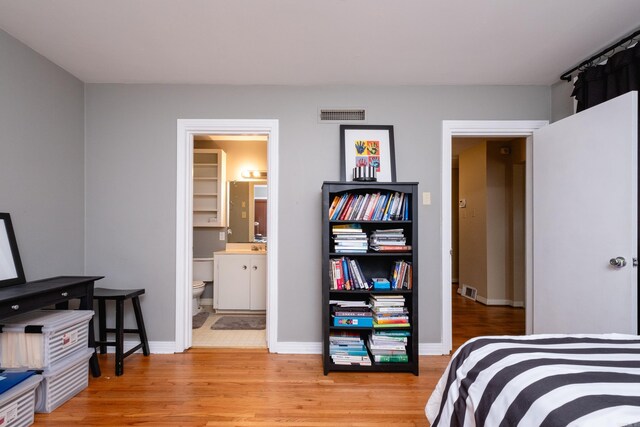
11,272
362,145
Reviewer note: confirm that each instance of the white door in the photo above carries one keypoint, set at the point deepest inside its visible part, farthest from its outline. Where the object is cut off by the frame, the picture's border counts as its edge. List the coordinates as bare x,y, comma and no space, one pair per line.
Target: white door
584,215
258,282
234,281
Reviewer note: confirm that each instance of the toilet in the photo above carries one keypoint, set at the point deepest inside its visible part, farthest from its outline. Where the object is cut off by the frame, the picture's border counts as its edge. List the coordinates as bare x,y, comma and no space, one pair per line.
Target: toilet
202,273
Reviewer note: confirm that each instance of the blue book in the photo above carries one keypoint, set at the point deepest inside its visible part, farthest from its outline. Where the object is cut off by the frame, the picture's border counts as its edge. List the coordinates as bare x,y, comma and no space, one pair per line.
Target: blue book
356,322
345,272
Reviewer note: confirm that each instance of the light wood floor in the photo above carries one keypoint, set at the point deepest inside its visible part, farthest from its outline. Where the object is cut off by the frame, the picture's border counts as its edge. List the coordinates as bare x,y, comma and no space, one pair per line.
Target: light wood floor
231,387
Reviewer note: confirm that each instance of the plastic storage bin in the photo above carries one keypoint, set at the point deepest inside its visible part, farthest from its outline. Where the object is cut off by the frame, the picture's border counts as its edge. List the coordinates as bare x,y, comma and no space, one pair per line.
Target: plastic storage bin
38,339
17,404
62,381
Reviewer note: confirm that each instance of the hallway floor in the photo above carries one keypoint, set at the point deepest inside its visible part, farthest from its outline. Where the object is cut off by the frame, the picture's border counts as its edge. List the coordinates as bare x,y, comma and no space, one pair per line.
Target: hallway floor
472,319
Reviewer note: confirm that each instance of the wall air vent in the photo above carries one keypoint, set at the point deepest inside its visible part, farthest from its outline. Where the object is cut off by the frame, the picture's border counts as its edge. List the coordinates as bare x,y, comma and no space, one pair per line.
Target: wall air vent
342,115
469,292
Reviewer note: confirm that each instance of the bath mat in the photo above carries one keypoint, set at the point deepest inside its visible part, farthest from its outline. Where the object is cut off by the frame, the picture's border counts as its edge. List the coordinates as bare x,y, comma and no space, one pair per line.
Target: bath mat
240,322
199,319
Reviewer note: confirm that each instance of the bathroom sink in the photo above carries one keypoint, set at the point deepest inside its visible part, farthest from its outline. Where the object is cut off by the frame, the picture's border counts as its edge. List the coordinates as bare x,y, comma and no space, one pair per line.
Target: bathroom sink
247,248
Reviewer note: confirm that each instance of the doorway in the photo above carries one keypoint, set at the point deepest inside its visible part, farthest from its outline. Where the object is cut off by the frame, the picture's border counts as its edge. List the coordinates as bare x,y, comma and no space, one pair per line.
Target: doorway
187,130
487,229
230,310
486,129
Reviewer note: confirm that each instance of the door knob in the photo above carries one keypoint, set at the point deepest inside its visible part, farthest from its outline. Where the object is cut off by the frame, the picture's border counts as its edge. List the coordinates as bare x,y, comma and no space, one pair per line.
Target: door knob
618,262
244,267
255,267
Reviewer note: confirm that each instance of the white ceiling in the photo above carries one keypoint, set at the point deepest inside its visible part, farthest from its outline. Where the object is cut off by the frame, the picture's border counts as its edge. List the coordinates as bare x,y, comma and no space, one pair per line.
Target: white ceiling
318,42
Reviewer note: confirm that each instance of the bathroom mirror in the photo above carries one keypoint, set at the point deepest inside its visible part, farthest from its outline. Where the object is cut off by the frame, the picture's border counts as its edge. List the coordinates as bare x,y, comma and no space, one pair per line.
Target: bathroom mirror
11,272
247,211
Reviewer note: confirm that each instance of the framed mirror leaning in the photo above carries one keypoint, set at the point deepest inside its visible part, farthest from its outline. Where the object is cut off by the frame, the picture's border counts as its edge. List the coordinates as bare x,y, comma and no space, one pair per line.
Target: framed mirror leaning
11,272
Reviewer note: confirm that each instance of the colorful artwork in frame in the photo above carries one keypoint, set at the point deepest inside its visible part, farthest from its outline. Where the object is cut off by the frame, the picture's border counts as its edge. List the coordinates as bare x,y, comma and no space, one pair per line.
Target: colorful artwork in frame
367,146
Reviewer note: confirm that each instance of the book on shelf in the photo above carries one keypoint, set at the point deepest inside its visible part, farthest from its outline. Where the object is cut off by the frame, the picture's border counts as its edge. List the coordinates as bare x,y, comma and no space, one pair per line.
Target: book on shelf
390,319
370,206
348,303
391,333
348,348
391,325
387,339
353,321
391,309
387,346
345,274
391,358
402,275
386,301
346,228
352,312
352,201
391,248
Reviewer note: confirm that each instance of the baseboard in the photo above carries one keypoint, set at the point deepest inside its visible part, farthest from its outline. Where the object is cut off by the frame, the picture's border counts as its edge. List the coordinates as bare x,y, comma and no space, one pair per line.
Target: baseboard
206,301
508,302
291,347
297,348
155,347
432,349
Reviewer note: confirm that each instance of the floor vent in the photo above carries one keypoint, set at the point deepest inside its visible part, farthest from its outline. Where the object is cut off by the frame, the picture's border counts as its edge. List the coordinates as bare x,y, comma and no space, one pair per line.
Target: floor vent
469,292
342,115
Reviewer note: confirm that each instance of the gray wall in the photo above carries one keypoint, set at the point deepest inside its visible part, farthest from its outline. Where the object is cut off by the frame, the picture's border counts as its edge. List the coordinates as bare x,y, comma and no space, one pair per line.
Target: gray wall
42,160
561,100
131,182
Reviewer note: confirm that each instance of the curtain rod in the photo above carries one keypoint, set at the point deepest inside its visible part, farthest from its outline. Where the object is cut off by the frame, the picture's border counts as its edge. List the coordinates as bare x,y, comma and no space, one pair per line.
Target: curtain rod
567,74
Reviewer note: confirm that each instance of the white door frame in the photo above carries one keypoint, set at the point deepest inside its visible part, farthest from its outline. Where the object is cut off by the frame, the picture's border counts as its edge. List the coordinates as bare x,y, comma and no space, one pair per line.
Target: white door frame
187,128
450,129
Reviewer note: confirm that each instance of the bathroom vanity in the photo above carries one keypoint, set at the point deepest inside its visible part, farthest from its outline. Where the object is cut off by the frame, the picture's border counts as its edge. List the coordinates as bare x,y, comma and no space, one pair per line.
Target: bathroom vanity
240,278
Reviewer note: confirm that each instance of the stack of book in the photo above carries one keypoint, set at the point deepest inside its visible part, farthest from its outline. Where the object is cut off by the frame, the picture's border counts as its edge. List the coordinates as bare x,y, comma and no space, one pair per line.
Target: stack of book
389,311
402,275
348,348
349,238
389,346
370,207
392,240
352,316
346,274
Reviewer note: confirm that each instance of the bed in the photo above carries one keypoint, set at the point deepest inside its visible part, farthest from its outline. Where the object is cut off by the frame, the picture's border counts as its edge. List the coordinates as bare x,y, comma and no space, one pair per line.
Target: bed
540,380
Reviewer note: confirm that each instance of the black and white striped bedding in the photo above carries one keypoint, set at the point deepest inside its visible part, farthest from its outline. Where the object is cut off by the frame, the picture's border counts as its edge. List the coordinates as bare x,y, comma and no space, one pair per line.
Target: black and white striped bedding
540,380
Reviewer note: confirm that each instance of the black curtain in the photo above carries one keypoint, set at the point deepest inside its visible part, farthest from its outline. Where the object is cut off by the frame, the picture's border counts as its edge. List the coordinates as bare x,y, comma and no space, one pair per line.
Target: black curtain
600,83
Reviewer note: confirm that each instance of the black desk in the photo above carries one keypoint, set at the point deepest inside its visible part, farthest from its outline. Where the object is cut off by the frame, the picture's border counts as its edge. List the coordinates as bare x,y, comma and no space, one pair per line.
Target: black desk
56,290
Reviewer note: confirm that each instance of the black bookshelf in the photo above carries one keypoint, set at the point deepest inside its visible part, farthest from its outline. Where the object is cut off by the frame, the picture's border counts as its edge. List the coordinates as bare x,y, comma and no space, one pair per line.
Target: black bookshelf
372,264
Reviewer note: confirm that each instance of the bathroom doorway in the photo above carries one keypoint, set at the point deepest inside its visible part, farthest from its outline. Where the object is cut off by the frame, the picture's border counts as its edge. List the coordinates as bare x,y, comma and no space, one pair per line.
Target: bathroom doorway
229,304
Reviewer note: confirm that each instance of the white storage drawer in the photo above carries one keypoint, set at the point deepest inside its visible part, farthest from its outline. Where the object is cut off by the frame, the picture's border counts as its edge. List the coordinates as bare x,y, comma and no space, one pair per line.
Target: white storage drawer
18,403
62,381
40,338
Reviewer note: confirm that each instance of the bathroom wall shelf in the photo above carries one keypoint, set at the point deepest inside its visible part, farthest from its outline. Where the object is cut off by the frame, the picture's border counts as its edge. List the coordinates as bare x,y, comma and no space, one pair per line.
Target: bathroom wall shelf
209,189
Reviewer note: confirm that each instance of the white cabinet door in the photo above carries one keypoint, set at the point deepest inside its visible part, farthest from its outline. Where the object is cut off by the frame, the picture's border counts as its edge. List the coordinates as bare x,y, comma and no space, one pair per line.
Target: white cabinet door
258,282
233,281
584,215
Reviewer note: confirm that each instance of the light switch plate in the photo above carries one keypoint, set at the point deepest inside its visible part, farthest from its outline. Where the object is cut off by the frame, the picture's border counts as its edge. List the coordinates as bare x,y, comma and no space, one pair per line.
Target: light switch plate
222,235
426,198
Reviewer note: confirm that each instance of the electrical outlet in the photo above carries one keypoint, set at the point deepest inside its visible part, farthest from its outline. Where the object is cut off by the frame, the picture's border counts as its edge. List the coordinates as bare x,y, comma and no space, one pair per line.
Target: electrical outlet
222,235
426,198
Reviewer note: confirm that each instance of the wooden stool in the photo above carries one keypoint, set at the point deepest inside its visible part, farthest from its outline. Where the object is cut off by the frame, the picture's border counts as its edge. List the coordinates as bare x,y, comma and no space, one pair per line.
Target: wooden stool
119,296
